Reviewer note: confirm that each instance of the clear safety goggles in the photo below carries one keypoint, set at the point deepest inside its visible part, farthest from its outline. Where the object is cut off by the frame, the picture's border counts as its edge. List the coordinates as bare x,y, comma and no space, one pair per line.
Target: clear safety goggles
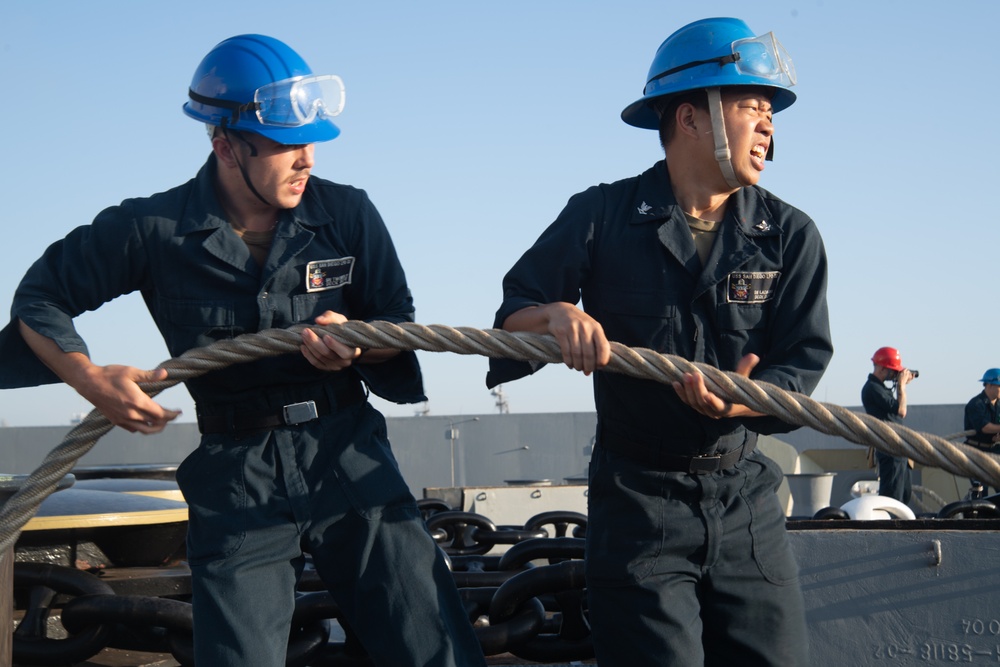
299,100
763,57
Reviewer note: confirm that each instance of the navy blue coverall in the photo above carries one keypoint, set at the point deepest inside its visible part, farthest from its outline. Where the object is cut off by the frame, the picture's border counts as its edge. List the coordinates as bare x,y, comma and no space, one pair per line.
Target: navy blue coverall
979,412
257,499
688,561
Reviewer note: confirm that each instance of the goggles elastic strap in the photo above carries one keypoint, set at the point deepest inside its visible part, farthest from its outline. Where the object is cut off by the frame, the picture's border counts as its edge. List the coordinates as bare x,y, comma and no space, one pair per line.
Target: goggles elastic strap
722,60
722,153
236,107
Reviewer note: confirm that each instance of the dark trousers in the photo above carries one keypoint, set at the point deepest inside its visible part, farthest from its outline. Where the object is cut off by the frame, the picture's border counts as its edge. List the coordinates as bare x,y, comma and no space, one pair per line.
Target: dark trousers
989,446
894,478
691,569
330,487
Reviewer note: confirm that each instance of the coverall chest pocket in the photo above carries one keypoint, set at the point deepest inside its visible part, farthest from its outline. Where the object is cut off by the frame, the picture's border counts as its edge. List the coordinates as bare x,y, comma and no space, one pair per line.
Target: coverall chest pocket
743,328
186,324
645,319
307,307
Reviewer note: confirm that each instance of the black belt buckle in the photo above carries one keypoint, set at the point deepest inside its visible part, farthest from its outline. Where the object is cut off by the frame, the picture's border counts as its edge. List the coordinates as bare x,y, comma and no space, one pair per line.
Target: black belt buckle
299,413
705,464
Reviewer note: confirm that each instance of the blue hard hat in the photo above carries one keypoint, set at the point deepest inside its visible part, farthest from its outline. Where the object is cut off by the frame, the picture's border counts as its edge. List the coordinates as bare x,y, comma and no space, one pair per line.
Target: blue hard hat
992,376
713,53
259,84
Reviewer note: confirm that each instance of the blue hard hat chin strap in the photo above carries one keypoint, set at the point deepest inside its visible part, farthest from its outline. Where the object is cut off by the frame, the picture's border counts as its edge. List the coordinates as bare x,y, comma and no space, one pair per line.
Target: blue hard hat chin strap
243,171
722,153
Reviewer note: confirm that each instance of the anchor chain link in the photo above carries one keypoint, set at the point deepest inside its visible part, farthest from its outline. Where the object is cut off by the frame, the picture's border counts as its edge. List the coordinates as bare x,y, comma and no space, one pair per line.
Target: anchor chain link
529,602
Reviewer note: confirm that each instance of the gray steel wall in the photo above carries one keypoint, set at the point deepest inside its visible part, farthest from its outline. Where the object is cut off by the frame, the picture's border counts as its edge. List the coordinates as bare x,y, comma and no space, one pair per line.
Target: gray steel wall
488,451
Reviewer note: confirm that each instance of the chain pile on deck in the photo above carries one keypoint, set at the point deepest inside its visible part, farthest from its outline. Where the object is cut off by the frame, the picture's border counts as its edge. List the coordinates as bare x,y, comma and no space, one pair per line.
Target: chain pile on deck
529,601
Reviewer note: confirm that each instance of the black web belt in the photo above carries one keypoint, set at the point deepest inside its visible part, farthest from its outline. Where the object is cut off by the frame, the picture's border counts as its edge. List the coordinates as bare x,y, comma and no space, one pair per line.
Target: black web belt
991,447
654,454
313,405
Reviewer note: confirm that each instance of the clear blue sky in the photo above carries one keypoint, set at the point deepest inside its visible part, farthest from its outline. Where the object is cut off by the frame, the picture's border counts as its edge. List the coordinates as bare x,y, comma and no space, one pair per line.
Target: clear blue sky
470,124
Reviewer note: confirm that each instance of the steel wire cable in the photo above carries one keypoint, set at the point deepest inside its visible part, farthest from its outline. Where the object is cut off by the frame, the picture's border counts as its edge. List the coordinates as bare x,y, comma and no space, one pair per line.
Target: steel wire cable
769,399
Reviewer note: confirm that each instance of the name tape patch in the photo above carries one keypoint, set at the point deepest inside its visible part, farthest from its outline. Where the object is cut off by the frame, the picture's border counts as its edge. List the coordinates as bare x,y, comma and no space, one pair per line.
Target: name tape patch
329,274
752,286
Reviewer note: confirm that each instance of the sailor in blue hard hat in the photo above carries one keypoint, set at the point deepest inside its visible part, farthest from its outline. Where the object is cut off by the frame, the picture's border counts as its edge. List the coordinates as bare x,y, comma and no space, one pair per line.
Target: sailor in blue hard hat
255,85
294,464
982,417
688,562
982,412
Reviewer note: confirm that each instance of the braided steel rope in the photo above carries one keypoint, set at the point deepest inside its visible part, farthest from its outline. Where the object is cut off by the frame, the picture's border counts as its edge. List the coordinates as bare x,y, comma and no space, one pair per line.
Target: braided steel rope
790,407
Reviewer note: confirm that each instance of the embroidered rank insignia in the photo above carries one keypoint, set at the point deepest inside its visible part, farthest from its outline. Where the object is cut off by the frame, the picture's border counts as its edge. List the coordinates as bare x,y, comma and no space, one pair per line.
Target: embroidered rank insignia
329,274
752,286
